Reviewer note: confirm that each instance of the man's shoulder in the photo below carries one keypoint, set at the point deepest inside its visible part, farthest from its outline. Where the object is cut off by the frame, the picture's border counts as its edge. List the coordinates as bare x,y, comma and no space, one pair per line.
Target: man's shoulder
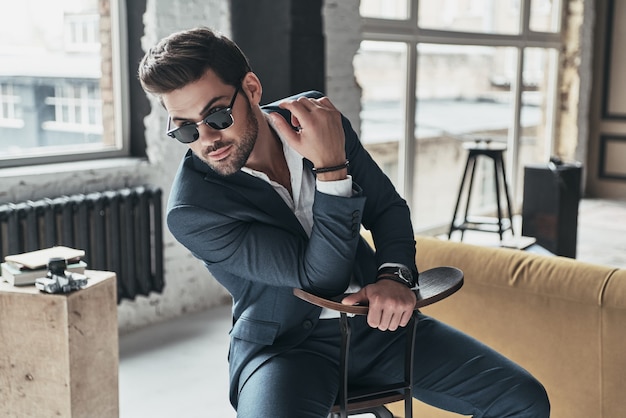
196,184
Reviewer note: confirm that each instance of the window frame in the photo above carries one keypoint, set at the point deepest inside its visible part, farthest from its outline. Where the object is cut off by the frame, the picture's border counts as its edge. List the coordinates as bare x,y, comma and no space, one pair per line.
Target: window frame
120,105
408,31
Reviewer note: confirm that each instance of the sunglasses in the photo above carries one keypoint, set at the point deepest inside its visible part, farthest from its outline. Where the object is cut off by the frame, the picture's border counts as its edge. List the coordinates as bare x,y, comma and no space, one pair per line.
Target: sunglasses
220,119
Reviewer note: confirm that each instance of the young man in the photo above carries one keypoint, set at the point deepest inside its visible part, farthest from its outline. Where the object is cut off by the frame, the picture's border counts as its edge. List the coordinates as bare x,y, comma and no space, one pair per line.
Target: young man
272,198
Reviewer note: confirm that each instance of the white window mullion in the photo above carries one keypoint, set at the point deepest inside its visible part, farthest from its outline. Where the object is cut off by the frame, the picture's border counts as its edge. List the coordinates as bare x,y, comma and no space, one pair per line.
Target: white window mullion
407,151
513,140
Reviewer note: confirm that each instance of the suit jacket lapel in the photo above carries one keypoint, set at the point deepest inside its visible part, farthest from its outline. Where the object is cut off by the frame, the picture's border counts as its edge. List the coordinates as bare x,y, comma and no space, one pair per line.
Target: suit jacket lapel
260,195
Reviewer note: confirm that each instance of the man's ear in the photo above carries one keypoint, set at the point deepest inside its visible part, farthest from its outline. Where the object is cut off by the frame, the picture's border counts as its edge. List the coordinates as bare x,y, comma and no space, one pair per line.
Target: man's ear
251,85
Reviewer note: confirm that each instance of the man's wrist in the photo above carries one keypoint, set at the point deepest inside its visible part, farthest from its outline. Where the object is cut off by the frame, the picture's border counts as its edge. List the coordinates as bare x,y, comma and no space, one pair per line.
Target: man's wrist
329,169
340,187
398,273
333,175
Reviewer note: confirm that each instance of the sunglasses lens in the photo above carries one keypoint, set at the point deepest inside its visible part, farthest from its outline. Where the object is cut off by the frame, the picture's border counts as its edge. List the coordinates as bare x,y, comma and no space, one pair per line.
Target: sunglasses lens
186,134
221,119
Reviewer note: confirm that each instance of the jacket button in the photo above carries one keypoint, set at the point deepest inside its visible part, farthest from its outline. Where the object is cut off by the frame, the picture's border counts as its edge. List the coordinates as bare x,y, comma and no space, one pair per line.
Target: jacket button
307,324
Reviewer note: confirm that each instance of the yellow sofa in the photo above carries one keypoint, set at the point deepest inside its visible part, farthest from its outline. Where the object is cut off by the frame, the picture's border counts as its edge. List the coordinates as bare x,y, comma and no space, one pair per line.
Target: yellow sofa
561,319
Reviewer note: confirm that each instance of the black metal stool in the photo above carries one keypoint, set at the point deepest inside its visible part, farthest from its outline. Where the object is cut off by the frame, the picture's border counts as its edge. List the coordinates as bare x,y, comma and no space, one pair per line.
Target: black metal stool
495,151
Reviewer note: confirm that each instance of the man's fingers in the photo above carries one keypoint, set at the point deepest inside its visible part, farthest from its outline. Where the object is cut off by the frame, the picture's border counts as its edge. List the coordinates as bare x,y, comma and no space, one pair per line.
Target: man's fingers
299,107
325,102
406,317
310,104
282,127
354,298
303,107
387,320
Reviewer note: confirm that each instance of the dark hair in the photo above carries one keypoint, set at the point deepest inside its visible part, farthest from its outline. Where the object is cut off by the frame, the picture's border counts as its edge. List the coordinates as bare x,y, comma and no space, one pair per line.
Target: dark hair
184,57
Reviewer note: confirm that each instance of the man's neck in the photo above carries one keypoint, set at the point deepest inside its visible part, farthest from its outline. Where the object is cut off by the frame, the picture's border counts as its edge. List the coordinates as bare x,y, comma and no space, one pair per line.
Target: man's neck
268,156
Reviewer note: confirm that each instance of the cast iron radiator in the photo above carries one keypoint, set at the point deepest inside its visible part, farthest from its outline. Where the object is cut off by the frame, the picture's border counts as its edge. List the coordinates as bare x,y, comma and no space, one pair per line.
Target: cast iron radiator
119,230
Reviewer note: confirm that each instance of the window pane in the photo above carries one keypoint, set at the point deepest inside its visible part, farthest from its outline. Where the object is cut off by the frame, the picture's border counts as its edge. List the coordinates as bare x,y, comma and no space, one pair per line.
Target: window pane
463,94
10,106
52,78
537,114
385,9
480,16
380,69
544,15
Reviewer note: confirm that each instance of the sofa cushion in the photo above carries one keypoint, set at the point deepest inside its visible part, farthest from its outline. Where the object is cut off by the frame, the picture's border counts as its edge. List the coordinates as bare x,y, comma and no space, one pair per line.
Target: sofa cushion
545,313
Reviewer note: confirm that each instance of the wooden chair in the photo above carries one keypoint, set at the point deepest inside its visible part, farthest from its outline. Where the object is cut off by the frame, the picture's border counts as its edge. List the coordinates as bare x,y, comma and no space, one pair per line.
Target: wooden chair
434,285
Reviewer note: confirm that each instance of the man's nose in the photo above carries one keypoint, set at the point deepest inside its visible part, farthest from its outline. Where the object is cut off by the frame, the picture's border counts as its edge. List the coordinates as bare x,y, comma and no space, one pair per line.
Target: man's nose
208,134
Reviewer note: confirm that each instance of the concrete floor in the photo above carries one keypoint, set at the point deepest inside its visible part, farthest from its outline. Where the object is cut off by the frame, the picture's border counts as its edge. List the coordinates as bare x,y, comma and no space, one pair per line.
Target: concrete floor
179,368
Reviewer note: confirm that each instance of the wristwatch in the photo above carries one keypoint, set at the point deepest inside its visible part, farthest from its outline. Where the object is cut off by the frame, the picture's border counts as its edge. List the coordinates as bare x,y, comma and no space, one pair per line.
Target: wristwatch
398,274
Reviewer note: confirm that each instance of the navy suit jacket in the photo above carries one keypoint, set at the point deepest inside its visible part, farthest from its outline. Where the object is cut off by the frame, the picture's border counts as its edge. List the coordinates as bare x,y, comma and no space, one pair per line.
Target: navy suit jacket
254,245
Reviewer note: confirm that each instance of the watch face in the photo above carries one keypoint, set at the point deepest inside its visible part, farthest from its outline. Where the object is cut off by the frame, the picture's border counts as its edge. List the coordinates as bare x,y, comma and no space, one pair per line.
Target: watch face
400,274
405,274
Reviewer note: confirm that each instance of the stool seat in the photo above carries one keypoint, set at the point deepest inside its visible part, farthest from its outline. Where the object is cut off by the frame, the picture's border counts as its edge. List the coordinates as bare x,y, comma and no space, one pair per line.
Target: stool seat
494,151
485,146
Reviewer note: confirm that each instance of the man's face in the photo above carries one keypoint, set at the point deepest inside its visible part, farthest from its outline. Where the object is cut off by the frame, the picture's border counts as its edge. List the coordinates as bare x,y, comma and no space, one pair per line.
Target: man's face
225,150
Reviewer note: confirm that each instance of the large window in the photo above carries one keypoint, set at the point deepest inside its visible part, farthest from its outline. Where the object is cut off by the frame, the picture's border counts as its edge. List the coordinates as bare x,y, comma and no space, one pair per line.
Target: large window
61,81
437,74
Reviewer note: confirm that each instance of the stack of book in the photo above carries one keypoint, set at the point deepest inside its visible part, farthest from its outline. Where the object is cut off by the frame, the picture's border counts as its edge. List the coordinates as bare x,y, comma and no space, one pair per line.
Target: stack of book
23,269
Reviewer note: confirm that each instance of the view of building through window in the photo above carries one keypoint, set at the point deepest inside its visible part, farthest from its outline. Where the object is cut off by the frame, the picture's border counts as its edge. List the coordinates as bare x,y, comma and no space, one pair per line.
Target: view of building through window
56,80
478,73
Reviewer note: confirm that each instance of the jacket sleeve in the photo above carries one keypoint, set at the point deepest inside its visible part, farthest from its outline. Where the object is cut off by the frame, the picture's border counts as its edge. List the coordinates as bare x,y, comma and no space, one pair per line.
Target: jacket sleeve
386,214
230,230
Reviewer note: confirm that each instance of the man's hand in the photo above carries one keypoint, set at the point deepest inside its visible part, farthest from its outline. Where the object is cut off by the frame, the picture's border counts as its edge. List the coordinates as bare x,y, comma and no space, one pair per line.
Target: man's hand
320,137
391,304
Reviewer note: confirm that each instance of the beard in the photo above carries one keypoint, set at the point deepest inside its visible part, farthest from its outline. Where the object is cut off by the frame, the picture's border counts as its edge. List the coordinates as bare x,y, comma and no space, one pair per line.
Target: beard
241,149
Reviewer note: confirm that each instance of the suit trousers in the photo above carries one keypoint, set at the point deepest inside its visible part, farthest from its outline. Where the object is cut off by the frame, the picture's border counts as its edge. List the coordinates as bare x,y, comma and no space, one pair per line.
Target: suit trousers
452,371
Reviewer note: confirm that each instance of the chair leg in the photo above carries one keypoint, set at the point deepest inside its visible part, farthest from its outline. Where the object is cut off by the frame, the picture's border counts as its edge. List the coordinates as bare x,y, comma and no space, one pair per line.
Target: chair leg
458,199
378,411
472,159
343,365
409,358
506,192
496,173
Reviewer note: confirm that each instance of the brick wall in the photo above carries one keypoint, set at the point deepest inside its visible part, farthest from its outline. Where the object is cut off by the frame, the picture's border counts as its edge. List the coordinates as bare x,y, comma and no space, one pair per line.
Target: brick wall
343,35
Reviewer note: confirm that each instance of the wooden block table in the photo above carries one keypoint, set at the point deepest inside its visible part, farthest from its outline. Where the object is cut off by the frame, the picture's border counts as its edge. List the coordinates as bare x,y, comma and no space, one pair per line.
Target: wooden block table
59,353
